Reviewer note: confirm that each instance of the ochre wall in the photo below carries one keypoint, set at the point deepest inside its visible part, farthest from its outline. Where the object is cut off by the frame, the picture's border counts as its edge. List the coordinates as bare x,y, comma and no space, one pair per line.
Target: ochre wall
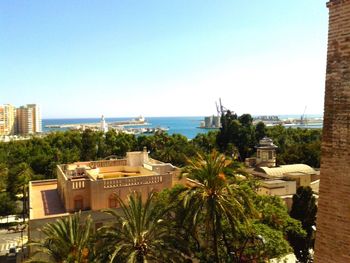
333,219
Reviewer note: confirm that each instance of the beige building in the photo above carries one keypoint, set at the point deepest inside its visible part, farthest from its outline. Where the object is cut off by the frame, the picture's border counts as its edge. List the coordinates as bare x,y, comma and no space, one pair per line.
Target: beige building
281,188
91,187
7,119
283,180
29,119
265,154
302,173
277,187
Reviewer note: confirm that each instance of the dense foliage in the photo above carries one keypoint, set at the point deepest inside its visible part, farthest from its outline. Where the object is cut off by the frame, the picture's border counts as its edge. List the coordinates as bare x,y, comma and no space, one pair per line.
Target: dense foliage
36,158
140,234
304,209
238,136
217,217
66,240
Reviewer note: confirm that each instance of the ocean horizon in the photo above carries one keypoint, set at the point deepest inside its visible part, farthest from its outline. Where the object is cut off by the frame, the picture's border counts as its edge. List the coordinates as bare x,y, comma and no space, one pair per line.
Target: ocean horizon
187,126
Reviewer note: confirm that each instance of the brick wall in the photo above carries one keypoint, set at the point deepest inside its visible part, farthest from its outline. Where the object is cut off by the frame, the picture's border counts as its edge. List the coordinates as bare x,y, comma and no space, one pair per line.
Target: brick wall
333,222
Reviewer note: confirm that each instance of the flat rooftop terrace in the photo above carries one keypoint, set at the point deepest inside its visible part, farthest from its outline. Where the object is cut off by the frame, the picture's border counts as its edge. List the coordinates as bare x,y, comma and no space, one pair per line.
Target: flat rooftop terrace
123,171
44,200
86,170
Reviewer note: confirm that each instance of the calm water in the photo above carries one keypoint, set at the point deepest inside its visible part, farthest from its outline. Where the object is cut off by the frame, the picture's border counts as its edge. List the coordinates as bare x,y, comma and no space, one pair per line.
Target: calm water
186,126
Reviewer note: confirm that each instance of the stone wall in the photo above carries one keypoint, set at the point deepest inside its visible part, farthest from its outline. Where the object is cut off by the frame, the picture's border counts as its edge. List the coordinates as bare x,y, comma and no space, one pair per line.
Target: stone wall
333,219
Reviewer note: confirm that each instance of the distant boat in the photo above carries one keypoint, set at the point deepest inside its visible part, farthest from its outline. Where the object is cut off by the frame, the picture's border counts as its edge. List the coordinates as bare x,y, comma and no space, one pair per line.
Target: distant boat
268,120
140,119
134,122
153,130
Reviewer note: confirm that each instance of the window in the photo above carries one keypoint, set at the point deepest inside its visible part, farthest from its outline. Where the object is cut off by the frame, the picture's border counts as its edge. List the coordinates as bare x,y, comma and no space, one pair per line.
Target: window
270,155
113,201
264,156
78,203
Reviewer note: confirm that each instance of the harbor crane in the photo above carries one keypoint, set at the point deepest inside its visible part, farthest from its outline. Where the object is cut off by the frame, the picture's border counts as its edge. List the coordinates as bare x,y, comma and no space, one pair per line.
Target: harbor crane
220,109
303,119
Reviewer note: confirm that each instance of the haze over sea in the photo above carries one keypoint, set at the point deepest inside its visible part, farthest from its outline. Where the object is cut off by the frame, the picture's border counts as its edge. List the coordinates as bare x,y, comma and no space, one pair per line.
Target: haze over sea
187,126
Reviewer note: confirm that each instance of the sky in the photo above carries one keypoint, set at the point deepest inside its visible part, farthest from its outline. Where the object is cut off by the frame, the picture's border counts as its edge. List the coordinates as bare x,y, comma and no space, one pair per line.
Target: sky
123,58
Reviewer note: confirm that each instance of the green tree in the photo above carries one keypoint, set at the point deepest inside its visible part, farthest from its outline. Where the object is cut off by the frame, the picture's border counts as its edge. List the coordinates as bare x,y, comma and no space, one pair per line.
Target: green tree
205,142
304,209
237,133
275,224
66,240
229,129
210,199
7,205
18,178
139,234
246,120
3,177
24,176
296,145
264,236
89,145
260,131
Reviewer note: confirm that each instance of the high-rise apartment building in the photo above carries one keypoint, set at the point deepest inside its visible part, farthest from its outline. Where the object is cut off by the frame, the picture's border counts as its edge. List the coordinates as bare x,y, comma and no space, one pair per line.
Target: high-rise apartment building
7,119
28,119
36,117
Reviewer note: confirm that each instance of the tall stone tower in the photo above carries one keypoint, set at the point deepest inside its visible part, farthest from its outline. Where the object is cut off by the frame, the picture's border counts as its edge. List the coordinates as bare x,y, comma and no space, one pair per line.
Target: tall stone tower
333,219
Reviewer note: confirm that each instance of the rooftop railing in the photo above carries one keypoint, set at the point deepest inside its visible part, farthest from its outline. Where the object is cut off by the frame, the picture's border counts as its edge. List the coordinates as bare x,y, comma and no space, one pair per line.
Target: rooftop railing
132,181
107,163
78,184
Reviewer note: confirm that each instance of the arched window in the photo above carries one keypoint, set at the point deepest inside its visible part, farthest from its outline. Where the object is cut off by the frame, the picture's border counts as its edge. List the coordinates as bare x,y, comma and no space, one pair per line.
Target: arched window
78,203
113,201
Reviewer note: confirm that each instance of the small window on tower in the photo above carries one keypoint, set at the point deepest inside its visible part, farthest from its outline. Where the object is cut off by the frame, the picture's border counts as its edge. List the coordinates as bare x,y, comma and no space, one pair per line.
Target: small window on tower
270,155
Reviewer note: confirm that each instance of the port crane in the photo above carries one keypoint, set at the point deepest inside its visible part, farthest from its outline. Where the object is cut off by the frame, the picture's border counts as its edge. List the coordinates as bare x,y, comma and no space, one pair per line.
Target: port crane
303,119
220,109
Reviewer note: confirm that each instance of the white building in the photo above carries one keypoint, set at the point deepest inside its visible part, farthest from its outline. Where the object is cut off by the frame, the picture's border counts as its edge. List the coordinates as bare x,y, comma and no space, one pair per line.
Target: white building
103,125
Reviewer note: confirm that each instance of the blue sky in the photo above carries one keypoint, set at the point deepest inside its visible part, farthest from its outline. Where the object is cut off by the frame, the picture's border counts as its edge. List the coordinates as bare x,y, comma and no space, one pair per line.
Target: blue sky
85,58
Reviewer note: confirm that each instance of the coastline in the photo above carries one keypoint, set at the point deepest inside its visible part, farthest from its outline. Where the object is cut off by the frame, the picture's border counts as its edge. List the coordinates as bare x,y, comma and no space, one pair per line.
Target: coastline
187,126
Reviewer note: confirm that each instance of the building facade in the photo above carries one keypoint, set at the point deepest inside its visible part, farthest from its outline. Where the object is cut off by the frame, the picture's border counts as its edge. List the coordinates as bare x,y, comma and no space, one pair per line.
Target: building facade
92,186
29,119
7,119
333,218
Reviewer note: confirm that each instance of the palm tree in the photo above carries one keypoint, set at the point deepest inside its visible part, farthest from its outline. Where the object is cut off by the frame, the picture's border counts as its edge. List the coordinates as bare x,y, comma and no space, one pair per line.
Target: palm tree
66,240
212,197
24,176
140,234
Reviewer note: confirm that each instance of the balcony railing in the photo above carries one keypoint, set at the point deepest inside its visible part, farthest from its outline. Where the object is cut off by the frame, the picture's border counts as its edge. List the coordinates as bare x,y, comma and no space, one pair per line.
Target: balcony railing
78,184
131,181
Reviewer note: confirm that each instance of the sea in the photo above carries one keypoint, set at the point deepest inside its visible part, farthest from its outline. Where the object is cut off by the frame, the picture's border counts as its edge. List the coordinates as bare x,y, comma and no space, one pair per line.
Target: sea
187,126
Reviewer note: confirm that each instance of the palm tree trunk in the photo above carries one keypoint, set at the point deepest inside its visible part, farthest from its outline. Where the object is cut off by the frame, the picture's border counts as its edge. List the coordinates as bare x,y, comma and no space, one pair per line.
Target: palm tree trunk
229,250
215,237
